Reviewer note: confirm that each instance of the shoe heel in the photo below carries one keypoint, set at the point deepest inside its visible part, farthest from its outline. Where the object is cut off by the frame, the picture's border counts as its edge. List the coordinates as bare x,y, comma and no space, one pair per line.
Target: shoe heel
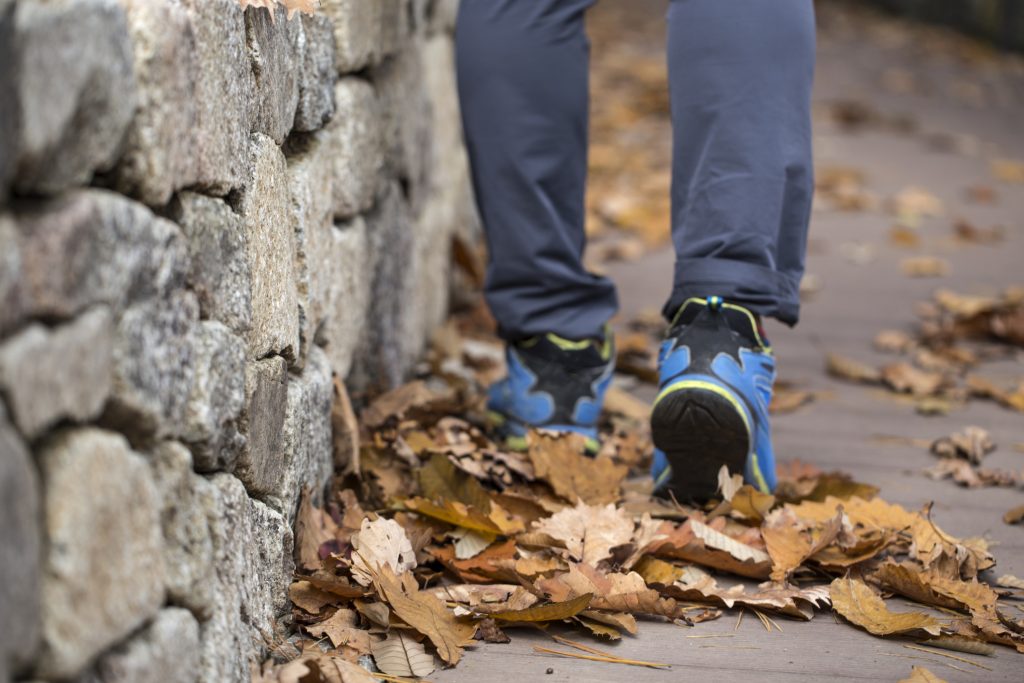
699,431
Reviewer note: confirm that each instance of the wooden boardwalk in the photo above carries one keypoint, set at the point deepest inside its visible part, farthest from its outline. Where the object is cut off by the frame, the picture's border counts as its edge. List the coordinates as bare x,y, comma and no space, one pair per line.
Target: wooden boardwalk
857,299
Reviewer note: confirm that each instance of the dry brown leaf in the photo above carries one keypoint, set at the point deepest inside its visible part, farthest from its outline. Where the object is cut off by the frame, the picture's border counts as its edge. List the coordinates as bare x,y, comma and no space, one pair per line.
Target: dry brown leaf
488,631
860,605
588,532
305,595
440,480
559,461
905,378
848,369
972,444
1014,515
924,266
791,541
912,582
599,629
425,613
341,629
919,674
913,203
552,611
701,544
696,585
400,655
1010,581
893,341
344,430
487,567
613,592
411,400
1008,170
380,543
313,528
984,388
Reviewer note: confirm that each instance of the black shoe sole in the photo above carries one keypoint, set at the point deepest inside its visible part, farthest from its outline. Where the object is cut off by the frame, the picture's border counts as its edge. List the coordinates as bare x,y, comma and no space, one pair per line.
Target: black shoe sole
699,431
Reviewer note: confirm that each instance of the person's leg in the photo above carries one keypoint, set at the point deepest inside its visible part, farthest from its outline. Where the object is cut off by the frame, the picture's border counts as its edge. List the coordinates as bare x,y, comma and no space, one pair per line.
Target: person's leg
740,73
523,84
740,76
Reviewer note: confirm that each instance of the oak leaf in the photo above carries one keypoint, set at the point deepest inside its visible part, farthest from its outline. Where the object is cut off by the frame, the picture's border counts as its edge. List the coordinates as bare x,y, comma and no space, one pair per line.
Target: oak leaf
380,543
559,460
588,532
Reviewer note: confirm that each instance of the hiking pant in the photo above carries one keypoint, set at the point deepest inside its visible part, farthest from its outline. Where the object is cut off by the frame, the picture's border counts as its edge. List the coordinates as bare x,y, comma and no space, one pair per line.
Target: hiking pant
740,74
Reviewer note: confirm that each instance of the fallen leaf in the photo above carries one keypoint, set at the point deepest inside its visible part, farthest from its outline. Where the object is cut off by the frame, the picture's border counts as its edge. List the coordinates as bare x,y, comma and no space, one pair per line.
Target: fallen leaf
424,612
552,611
400,655
925,266
912,204
919,674
306,596
856,602
411,400
1010,581
1014,515
588,532
488,631
1008,170
380,543
344,430
848,369
701,544
791,541
972,444
559,461
893,341
905,378
341,629
313,528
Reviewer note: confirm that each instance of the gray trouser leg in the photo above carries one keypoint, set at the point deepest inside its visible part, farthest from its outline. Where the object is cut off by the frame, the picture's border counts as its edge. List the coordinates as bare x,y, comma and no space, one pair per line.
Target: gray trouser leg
740,74
523,84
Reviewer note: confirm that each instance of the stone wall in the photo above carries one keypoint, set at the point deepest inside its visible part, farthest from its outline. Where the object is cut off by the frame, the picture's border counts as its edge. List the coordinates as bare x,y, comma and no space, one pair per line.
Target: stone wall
205,217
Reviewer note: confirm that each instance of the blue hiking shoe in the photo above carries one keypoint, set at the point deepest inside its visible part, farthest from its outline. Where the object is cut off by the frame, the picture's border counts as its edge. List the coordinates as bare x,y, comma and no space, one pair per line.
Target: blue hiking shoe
553,383
716,373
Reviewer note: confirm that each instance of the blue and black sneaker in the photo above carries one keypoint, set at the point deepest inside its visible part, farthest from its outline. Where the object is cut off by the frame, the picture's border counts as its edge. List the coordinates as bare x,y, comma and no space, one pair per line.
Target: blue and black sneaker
716,373
553,383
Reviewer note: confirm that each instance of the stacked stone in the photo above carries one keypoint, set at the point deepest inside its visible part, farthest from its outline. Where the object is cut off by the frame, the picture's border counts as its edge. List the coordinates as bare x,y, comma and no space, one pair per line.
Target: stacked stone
204,217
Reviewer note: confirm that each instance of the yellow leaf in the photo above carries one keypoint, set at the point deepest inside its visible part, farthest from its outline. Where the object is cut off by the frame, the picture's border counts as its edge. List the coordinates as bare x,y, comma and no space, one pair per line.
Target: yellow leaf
791,542
919,674
860,605
552,611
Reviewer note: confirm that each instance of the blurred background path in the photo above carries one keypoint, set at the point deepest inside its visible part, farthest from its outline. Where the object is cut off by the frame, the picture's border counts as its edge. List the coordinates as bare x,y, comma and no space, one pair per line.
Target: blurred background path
917,132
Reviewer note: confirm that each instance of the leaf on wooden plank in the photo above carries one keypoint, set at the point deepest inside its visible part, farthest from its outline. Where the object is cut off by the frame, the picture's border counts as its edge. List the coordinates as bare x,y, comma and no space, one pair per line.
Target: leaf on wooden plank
911,582
589,532
860,605
790,541
341,629
984,388
559,461
552,611
488,631
919,674
474,594
924,266
620,620
849,369
612,592
972,444
696,585
313,528
868,545
380,543
400,655
425,613
1010,581
906,379
598,628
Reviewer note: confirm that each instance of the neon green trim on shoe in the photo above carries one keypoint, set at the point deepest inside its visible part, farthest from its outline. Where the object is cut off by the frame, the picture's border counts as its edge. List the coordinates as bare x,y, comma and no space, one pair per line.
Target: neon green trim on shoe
568,344
762,485
735,307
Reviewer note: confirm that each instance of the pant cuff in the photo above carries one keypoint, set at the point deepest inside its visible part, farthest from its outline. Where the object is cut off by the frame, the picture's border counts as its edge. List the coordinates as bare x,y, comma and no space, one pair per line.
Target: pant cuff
763,290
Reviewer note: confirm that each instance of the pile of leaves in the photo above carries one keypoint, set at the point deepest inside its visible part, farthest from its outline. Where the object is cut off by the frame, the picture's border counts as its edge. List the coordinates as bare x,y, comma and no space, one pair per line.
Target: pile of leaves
957,333
436,538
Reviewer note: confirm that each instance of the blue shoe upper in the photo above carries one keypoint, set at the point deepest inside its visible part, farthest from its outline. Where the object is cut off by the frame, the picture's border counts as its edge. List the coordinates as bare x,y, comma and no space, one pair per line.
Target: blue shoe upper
552,383
718,347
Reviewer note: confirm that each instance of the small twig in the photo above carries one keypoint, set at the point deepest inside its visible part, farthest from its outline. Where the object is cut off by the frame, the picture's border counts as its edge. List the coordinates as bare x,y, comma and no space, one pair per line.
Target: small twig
715,635
946,654
739,620
925,659
581,646
595,658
